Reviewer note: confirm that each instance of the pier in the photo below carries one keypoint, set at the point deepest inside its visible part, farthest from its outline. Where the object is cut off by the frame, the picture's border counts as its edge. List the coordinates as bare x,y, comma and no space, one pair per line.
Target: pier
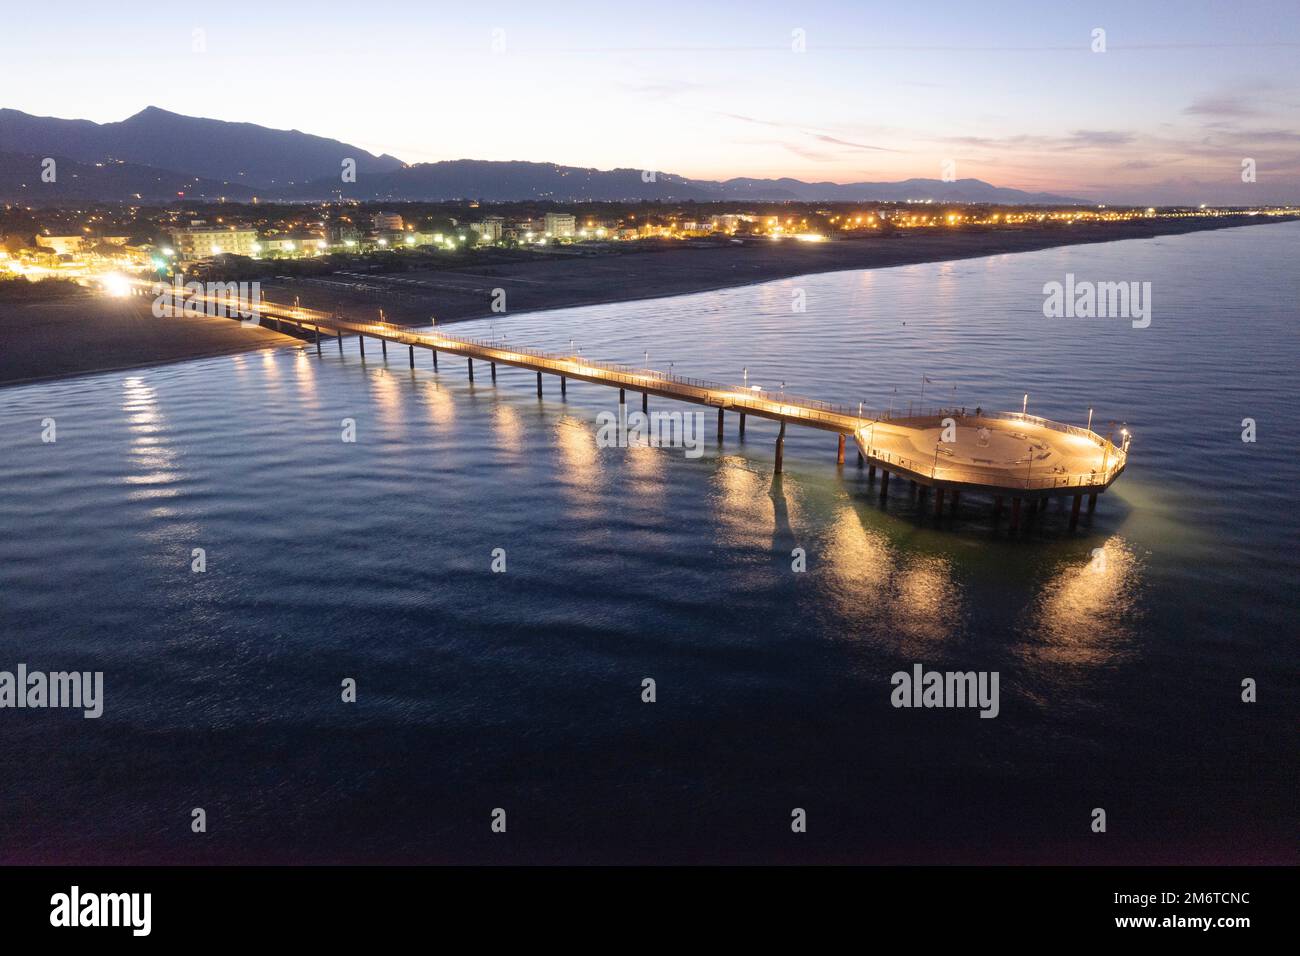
1008,456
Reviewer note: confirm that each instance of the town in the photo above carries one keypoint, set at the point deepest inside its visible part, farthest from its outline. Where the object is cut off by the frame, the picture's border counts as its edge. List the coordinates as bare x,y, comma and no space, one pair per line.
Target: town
86,242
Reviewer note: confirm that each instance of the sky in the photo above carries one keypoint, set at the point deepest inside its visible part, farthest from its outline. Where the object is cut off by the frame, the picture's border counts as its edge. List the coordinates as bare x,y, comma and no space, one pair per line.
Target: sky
1012,93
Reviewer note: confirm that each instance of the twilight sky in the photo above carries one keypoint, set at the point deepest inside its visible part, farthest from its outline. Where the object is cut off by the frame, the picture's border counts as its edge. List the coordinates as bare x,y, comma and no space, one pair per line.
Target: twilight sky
1009,91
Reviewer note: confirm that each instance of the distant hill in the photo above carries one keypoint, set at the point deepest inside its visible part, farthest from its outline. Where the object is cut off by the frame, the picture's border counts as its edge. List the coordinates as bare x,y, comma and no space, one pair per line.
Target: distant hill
20,181
239,160
960,190
503,181
244,153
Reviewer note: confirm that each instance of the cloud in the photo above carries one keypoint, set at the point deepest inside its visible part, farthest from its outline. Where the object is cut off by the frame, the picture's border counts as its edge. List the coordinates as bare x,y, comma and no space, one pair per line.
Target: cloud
1224,104
819,135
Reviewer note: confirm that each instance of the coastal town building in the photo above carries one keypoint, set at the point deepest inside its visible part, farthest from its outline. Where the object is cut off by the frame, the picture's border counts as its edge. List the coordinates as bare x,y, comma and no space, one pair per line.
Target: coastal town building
561,225
201,241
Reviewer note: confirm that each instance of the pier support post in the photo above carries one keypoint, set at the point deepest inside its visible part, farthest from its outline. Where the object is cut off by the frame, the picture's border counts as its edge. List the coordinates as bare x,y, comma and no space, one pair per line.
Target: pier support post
839,456
494,370
645,402
871,473
318,340
622,396
1092,502
564,386
412,355
1015,514
339,338
361,340
956,497
780,442
997,507
861,460
471,368
1074,512
884,484
539,384
938,502
435,359
742,424
383,345
720,425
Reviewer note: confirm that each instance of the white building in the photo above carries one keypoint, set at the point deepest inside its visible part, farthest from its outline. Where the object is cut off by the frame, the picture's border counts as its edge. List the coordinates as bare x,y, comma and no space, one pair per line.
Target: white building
561,225
201,241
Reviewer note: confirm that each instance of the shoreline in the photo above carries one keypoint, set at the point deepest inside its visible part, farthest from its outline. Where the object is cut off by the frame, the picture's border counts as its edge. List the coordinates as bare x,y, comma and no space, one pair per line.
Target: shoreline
51,341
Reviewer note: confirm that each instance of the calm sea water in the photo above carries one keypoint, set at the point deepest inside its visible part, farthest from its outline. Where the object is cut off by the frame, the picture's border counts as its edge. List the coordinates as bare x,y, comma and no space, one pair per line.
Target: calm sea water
1120,688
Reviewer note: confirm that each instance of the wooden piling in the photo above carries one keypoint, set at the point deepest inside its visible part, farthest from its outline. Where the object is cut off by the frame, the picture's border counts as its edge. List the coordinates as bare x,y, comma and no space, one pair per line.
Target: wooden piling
435,359
494,370
564,386
884,483
871,472
780,442
839,455
1015,514
720,424
1092,502
622,396
383,345
938,502
471,368
956,497
645,402
412,355
997,507
742,424
539,384
339,337
318,340
361,340
1074,512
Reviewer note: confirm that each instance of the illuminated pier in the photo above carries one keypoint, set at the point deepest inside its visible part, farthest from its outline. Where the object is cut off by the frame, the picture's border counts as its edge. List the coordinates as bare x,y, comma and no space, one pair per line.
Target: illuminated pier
1010,456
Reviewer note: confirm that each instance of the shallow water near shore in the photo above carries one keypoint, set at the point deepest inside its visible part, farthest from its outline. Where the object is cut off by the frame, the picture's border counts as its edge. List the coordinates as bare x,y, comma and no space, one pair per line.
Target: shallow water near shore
1120,676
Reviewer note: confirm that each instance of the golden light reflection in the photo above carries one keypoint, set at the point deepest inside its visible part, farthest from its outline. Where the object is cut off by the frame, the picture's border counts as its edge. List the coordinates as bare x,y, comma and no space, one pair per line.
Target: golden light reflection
751,508
441,404
1086,613
579,471
913,599
508,428
387,391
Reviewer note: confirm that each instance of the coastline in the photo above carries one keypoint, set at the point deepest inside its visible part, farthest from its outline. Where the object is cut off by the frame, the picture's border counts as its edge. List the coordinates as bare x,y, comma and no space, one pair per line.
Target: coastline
50,341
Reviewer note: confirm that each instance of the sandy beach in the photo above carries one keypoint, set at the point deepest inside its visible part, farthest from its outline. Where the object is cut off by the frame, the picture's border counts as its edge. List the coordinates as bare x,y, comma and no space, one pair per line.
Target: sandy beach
83,334
86,334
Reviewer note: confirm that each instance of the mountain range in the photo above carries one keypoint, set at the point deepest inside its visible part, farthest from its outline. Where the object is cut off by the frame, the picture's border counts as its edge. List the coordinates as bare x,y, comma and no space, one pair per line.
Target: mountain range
157,155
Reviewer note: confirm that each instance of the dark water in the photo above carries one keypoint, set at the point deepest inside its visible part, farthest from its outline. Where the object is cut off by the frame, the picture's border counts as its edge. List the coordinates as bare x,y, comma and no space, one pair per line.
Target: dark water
1120,682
